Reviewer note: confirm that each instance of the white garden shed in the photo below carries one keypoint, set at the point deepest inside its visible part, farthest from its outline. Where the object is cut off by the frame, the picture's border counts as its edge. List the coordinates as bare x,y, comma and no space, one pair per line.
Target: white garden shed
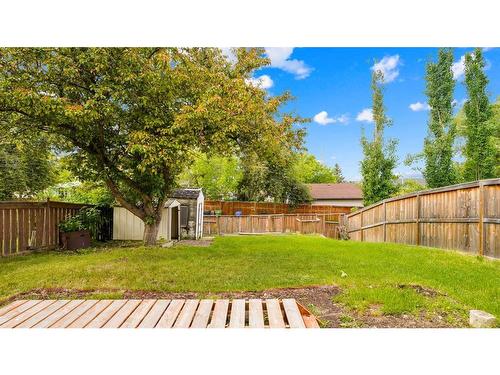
182,218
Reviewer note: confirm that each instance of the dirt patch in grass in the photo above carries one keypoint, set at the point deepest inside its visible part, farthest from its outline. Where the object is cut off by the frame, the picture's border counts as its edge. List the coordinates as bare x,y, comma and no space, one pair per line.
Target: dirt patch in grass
318,299
428,292
205,242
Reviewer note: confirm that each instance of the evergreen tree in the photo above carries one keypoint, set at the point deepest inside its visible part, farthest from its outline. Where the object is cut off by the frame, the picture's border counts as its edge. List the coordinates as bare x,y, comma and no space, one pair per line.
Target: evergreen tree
338,173
479,131
379,159
439,169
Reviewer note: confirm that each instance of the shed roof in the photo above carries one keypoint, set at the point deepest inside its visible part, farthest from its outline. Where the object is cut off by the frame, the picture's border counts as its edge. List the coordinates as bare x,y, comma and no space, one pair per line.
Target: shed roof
335,191
187,193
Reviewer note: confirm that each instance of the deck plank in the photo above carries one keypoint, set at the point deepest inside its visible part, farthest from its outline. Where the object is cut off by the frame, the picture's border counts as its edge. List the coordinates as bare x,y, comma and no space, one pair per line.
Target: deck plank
122,315
27,314
255,314
202,315
139,313
17,310
154,315
106,314
292,313
63,311
274,314
309,320
90,314
237,318
11,306
219,315
69,318
170,315
187,313
42,314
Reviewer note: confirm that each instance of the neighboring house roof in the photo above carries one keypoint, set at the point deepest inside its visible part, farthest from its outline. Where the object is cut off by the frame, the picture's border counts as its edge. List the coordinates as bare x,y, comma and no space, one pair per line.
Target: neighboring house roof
335,191
191,193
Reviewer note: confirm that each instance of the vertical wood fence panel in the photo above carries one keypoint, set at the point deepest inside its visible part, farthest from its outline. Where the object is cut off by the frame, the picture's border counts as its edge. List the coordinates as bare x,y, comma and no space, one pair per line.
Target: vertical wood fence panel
26,226
266,208
464,217
325,224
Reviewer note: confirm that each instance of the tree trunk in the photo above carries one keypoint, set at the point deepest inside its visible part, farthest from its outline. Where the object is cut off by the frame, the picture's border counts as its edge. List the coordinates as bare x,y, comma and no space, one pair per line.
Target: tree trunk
151,233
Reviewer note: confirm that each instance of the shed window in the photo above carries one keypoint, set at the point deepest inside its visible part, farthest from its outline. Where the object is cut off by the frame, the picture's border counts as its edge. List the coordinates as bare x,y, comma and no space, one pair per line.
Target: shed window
184,216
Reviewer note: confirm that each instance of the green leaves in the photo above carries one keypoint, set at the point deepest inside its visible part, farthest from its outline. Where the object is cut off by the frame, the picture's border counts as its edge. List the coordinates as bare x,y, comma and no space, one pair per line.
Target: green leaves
438,145
134,117
379,156
479,149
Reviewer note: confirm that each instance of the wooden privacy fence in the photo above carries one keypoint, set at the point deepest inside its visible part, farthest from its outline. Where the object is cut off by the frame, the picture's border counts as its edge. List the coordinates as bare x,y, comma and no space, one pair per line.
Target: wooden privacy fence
464,217
306,224
28,226
267,208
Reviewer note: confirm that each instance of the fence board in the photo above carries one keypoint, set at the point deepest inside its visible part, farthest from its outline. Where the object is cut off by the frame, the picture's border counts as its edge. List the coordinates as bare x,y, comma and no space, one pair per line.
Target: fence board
463,217
268,208
325,224
20,219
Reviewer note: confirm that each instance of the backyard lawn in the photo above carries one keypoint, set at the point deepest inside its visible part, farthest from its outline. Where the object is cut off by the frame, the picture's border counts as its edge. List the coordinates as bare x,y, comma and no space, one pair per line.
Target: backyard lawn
374,279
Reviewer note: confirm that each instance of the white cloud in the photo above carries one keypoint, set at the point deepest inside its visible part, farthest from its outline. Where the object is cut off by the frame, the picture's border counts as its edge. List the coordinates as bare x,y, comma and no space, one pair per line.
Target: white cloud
323,119
418,106
263,82
280,58
458,68
365,115
230,56
389,67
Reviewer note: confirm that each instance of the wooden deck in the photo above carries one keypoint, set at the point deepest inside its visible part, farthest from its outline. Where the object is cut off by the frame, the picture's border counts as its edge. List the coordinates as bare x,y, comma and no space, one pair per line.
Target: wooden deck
157,313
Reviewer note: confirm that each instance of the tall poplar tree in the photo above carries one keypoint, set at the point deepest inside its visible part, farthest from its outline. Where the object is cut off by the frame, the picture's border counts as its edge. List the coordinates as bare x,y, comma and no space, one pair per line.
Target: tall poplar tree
439,169
479,131
379,159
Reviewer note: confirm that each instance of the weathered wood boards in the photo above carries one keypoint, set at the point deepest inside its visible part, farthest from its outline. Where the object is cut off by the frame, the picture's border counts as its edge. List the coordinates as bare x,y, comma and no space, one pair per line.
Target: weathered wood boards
325,224
32,225
267,208
464,217
152,313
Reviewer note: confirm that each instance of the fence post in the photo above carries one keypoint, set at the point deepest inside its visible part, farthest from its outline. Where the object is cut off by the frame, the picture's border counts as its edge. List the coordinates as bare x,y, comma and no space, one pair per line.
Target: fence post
385,222
218,225
417,220
481,219
361,226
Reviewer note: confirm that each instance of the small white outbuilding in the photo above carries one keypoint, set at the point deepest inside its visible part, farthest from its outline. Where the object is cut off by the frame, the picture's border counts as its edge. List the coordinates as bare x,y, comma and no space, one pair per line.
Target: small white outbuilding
182,218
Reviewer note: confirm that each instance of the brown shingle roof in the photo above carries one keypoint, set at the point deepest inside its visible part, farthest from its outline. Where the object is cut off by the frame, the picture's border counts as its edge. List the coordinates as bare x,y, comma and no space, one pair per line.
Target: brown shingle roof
335,191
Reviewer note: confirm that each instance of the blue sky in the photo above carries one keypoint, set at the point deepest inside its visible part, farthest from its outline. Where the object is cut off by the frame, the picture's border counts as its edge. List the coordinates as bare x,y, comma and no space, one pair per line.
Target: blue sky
337,81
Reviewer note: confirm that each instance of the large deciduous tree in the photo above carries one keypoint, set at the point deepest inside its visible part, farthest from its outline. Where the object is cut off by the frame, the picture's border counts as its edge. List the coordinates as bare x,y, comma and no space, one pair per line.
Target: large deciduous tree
439,168
379,181
133,117
310,170
479,147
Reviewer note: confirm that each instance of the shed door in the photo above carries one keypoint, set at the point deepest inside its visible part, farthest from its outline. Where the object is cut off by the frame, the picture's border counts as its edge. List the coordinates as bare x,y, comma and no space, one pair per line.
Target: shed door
174,224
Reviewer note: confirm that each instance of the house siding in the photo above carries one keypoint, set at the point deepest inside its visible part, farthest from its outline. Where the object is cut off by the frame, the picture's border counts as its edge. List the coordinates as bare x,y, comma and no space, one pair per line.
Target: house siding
338,202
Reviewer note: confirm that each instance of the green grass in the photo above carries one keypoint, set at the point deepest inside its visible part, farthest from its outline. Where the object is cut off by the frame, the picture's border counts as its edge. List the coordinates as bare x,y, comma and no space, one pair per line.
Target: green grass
369,274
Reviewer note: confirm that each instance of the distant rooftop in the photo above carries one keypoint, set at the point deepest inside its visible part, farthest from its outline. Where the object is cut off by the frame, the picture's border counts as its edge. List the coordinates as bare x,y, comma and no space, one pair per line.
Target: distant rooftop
335,191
